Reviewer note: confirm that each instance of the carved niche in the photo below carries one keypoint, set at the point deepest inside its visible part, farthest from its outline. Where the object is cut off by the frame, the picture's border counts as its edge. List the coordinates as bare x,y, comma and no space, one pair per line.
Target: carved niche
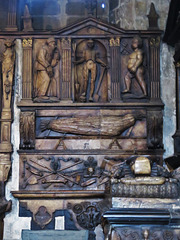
90,71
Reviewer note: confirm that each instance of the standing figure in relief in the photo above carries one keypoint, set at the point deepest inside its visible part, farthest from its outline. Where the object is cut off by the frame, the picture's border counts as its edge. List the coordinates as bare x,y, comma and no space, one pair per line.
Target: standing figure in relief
47,59
135,67
8,71
89,69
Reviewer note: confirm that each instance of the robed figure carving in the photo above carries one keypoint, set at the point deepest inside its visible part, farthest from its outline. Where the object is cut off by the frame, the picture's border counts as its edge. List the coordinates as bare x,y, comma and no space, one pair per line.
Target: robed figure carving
46,72
90,72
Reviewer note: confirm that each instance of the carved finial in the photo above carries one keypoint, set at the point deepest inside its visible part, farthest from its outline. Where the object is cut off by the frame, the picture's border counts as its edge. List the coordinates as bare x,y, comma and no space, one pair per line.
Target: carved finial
91,5
27,20
153,18
26,11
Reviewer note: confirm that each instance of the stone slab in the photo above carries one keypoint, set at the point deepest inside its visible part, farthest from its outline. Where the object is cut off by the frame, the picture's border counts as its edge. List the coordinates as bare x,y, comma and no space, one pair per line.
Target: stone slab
54,235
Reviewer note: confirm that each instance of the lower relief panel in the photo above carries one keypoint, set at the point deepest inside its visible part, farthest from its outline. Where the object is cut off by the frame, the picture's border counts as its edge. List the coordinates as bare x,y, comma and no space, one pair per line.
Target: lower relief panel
64,172
91,129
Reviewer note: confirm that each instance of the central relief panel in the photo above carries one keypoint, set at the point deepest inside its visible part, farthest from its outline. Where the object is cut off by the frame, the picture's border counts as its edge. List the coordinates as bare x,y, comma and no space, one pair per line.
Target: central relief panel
90,100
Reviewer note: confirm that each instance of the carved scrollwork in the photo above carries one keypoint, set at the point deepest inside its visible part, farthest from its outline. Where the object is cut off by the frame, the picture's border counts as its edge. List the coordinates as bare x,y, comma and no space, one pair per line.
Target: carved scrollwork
155,42
114,42
168,235
27,43
66,43
88,214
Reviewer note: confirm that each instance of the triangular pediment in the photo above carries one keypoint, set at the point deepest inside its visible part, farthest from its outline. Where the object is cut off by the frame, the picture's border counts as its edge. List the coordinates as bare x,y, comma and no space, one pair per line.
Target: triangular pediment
90,26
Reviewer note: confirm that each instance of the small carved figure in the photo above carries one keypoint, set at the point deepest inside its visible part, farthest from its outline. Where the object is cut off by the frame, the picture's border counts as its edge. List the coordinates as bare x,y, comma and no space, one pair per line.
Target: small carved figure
90,58
135,67
7,70
46,61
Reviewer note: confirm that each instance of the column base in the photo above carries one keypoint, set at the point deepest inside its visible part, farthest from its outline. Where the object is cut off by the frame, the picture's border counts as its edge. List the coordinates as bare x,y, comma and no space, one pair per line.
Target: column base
11,29
6,148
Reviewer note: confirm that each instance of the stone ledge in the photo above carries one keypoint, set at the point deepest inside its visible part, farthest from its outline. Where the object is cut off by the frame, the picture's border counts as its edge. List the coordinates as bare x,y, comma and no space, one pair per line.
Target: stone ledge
58,194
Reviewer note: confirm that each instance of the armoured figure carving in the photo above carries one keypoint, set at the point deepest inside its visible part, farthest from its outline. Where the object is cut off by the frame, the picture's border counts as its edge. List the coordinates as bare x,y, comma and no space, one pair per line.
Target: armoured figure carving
89,69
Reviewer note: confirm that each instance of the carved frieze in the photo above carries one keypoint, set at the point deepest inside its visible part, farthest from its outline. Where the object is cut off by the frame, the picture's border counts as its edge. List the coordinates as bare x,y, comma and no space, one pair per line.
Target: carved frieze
50,172
131,233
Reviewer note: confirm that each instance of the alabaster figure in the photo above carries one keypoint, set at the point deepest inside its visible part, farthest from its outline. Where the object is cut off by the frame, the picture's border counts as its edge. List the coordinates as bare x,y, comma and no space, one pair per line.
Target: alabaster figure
89,60
135,67
45,86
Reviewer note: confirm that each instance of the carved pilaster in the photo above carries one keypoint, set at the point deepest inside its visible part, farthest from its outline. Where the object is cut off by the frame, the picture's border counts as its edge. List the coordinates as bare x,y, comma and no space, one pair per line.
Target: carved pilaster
115,68
66,68
27,69
8,73
155,67
6,119
11,17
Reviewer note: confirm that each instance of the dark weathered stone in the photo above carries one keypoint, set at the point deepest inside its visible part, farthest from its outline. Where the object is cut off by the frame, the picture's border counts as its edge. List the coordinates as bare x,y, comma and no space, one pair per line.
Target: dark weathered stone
113,4
39,7
77,8
73,20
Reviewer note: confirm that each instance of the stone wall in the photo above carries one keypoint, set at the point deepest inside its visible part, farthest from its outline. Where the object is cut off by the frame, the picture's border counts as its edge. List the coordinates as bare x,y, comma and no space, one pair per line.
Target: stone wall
55,14
128,14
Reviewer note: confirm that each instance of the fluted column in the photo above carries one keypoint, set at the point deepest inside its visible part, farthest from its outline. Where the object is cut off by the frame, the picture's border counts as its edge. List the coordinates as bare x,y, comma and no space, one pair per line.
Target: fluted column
11,17
27,70
115,68
66,69
155,68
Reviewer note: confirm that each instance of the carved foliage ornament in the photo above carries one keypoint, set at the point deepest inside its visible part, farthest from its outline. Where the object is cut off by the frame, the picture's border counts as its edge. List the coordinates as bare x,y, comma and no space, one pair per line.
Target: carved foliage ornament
114,42
88,214
27,43
155,42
